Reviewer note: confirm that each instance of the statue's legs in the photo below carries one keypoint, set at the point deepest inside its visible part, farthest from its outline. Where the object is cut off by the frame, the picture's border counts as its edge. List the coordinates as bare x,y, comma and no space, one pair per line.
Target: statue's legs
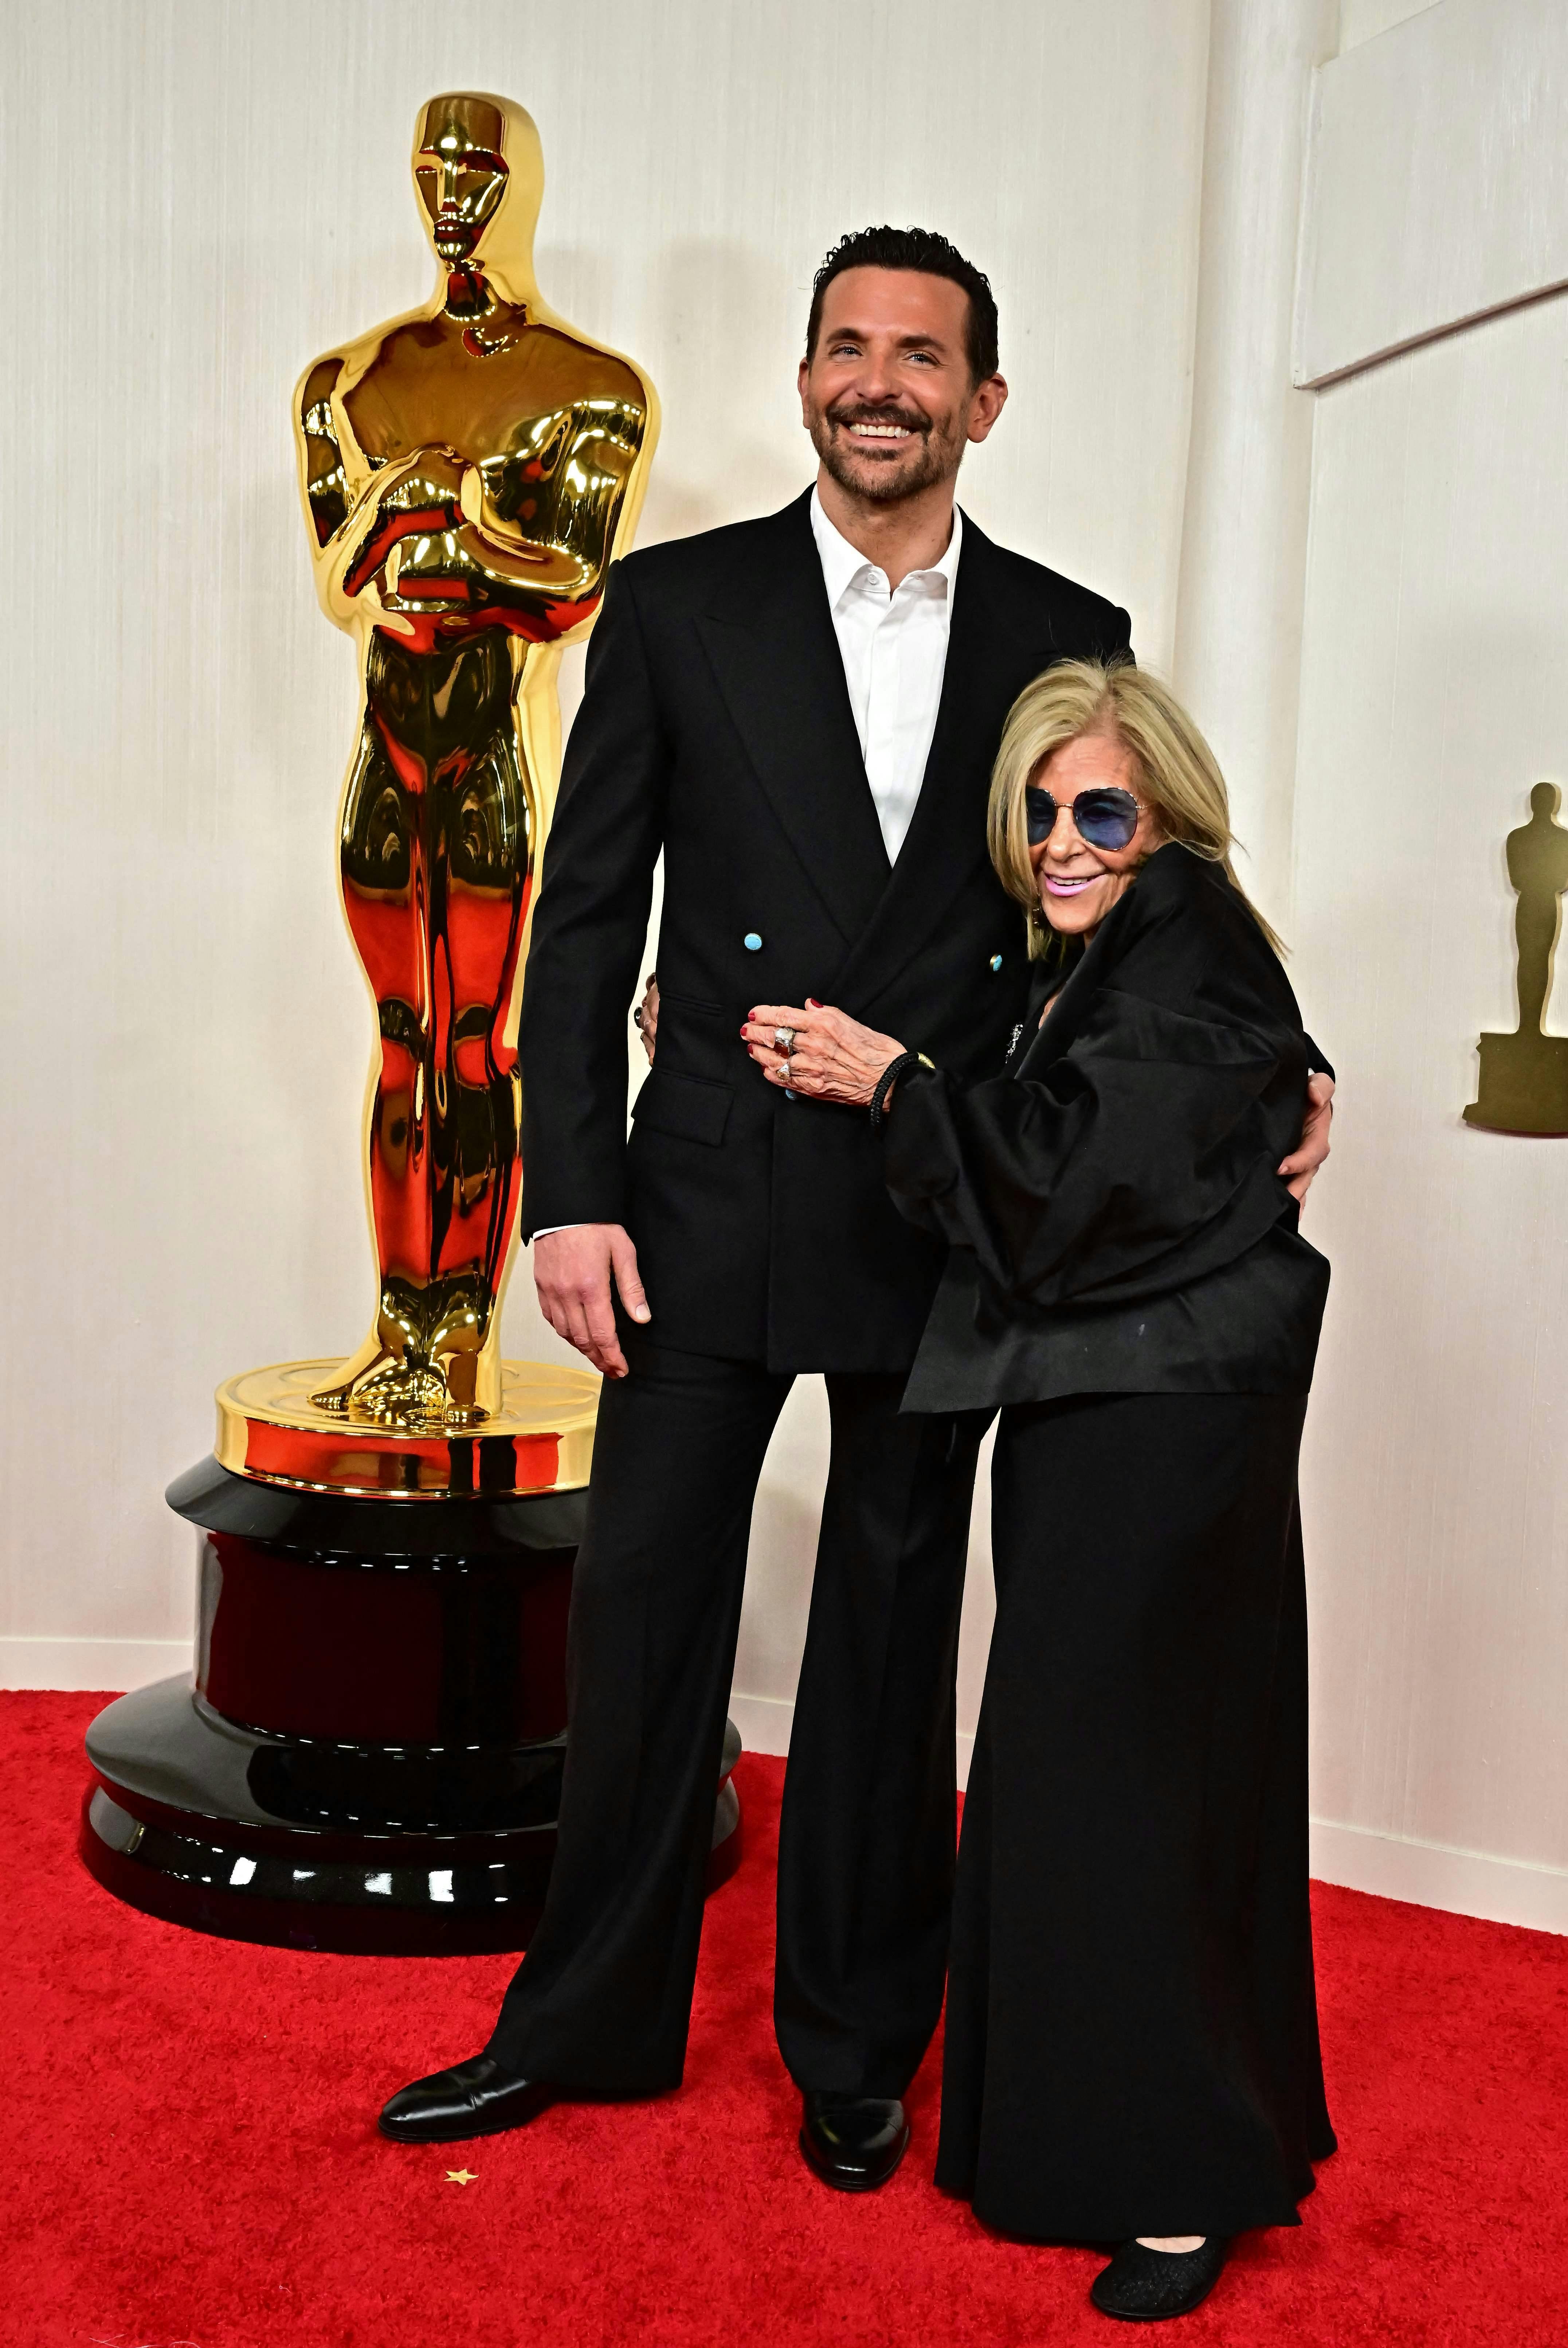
1535,934
436,876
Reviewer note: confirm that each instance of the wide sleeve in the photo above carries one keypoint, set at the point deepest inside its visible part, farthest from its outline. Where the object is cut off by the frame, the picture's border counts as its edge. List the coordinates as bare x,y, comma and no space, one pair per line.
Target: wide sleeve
590,926
1142,1157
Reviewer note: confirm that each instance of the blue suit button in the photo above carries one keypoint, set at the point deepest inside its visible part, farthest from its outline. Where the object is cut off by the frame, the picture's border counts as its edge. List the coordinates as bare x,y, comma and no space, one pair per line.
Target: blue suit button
752,942
996,962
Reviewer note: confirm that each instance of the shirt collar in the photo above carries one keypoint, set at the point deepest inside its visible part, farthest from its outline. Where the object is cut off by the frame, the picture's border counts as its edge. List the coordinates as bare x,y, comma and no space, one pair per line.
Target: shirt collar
842,564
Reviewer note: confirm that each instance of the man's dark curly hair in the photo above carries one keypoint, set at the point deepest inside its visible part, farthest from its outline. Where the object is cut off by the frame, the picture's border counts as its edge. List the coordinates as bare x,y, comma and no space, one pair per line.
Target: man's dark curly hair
914,248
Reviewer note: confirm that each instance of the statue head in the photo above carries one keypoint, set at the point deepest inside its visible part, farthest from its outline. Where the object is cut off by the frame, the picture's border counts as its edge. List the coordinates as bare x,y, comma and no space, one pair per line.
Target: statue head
1544,800
479,171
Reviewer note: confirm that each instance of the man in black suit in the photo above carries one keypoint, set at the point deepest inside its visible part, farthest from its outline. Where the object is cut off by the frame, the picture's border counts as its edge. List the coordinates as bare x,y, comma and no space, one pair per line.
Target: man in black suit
801,712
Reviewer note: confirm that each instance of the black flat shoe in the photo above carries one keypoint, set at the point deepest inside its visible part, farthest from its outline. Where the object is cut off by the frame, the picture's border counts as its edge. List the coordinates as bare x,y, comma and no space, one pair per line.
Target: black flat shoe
473,2098
854,2142
1144,2286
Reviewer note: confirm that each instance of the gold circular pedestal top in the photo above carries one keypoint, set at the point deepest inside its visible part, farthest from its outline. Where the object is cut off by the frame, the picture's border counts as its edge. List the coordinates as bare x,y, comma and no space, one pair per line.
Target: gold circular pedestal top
540,1440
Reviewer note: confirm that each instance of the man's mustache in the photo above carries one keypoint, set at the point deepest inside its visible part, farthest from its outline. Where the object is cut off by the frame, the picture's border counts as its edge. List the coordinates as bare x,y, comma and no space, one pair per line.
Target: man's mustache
858,412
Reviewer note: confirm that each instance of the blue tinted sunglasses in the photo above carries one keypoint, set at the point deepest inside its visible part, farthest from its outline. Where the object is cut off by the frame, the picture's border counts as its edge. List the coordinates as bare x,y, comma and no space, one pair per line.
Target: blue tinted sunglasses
1103,818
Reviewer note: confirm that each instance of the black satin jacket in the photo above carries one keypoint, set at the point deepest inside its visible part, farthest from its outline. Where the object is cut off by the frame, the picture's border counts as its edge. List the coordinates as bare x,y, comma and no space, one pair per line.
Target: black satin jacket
1116,1223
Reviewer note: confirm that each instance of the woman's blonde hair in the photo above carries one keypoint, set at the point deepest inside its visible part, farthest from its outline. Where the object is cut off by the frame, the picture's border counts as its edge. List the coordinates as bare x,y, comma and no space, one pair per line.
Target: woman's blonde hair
1175,772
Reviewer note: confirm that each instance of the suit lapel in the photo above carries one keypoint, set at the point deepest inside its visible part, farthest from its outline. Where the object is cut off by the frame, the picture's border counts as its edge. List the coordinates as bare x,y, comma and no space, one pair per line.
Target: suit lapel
947,837
778,666
1073,996
1120,928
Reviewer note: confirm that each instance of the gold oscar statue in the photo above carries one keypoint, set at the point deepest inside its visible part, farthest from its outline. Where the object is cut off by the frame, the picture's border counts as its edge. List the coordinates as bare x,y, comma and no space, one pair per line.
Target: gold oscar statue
369,1752
1523,1083
468,472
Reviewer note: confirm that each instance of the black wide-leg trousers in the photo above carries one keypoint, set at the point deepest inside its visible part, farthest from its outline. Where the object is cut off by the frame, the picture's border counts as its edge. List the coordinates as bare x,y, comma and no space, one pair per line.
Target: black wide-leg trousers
601,2001
1132,2035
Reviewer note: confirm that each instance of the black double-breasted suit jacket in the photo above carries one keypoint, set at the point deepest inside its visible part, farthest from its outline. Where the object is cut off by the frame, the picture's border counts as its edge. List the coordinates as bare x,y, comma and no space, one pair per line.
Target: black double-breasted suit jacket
716,728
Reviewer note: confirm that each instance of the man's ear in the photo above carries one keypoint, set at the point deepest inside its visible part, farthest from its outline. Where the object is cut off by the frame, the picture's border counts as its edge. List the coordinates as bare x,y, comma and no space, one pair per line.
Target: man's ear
986,404
802,378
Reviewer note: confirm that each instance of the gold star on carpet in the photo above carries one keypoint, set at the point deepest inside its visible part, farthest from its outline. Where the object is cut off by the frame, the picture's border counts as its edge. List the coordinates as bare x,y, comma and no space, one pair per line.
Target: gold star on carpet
462,2177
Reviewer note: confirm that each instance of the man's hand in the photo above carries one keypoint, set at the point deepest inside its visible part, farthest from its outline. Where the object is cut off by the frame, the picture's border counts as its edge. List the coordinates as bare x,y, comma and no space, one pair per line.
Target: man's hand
572,1271
1298,1171
646,1015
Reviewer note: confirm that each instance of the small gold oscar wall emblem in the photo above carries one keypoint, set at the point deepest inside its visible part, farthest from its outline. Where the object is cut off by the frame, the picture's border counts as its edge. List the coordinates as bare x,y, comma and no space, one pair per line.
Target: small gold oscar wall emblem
1523,1083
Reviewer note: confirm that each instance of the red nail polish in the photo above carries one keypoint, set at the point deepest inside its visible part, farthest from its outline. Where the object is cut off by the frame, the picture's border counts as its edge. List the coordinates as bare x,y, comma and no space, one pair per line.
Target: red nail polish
812,1004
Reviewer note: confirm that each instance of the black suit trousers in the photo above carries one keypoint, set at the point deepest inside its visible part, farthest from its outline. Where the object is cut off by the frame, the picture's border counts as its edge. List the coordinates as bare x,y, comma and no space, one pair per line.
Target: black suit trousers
601,2001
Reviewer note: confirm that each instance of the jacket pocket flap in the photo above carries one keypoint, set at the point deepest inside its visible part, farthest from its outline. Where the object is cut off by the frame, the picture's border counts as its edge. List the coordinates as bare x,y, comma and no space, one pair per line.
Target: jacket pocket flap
695,1108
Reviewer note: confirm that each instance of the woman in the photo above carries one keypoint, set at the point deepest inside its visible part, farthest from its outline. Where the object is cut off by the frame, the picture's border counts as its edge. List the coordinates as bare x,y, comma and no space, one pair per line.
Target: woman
1131,2039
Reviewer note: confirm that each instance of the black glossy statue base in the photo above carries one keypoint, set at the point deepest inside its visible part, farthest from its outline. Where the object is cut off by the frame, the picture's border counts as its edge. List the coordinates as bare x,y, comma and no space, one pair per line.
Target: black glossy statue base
370,1757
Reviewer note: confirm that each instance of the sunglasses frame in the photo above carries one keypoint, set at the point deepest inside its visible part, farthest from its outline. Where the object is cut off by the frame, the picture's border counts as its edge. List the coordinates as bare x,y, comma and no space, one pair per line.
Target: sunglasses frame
1097,793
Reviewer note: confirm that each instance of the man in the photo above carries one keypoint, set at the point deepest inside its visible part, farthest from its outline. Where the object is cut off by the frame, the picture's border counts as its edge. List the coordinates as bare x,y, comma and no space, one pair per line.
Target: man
802,713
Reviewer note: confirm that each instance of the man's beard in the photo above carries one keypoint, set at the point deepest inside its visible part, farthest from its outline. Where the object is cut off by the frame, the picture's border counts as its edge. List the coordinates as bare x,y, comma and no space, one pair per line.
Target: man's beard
932,455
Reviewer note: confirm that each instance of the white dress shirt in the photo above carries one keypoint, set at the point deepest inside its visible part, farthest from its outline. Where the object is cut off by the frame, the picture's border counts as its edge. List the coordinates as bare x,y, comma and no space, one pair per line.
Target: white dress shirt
894,645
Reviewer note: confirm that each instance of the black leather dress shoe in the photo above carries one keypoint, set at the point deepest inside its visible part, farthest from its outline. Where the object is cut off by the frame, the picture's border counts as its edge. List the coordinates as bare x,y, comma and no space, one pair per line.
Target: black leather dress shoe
1143,2286
855,2142
473,2098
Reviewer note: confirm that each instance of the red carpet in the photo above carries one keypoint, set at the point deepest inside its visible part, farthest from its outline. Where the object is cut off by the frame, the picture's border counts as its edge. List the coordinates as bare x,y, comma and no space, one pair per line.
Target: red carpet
194,2163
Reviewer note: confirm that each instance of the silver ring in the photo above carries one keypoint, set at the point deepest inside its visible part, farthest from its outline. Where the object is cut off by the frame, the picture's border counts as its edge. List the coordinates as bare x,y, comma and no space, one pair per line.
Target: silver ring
783,1071
783,1040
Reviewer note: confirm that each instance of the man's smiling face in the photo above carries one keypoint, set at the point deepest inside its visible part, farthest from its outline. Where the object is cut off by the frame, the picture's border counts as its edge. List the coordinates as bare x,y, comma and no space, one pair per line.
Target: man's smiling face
887,394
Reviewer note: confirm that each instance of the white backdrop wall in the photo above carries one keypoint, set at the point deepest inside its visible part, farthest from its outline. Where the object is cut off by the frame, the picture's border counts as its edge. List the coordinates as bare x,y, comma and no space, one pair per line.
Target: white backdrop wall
197,197
1434,694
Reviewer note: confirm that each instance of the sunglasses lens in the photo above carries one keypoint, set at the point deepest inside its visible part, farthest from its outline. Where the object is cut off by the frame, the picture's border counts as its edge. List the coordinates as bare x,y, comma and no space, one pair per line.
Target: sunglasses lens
1039,810
1106,818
